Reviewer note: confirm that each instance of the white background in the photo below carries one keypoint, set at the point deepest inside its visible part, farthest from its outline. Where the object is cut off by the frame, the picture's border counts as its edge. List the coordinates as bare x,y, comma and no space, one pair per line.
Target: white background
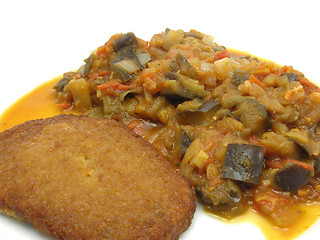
40,40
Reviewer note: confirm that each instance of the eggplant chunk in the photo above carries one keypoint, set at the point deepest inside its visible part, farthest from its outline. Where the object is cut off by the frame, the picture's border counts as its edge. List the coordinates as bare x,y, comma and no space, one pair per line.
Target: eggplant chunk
126,64
185,143
59,86
239,76
225,200
291,76
291,177
128,39
199,115
177,86
243,162
194,34
125,76
253,115
127,53
316,165
88,64
308,146
180,64
143,57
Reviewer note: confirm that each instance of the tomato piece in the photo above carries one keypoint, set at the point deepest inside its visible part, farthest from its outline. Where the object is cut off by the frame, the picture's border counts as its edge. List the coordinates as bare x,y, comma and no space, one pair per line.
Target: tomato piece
277,208
222,54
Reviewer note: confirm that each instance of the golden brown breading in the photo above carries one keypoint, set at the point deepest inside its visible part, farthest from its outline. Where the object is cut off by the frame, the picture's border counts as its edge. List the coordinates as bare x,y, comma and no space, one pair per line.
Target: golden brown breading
76,177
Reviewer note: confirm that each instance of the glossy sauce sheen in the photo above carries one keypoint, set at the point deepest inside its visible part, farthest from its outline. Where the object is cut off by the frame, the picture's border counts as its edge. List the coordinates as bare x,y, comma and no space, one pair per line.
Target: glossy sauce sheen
40,103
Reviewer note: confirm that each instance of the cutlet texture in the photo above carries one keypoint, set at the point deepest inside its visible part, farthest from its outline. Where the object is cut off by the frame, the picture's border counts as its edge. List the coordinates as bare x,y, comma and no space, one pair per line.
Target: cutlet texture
76,177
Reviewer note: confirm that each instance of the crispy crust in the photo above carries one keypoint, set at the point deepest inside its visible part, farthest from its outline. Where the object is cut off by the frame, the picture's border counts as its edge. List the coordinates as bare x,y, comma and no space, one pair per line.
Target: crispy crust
76,177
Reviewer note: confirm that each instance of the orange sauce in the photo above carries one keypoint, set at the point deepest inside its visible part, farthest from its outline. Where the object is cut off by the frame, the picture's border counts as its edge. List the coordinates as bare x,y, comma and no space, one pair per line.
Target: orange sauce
40,103
309,216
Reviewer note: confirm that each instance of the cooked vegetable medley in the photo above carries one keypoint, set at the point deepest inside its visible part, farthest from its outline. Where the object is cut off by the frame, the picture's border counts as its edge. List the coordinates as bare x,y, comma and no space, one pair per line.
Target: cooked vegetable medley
245,132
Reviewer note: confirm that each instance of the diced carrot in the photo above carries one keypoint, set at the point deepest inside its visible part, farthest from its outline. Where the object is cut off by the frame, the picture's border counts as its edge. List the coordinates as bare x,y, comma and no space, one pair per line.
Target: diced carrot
222,54
282,70
103,73
302,164
280,163
64,105
255,80
307,84
261,76
113,85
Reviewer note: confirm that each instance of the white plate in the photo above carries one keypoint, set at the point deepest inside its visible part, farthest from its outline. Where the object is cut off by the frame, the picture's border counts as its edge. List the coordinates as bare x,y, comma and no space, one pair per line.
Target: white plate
40,40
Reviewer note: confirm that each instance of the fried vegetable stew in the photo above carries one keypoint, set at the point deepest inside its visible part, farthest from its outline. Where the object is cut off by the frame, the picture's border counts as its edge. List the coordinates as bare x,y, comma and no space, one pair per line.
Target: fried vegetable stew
244,131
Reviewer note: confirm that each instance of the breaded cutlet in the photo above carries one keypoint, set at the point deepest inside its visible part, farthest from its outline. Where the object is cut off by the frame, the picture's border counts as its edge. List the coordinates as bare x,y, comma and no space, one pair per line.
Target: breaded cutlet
77,177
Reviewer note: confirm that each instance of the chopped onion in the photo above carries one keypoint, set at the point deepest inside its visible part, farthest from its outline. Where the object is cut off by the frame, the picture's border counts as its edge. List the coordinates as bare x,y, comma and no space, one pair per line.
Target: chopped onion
143,57
127,65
